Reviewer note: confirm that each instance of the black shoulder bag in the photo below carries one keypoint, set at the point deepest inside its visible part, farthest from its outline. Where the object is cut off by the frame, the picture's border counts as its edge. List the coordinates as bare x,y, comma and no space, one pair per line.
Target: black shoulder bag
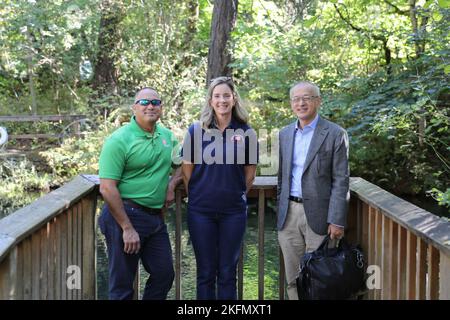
332,273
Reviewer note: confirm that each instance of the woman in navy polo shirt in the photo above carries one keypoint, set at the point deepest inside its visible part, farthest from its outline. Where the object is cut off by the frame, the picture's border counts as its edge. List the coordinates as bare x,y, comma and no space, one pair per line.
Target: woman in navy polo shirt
219,164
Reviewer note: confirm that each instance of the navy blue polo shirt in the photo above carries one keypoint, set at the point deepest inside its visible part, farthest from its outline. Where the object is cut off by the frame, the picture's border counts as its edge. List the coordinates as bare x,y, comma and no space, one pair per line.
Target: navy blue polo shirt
217,183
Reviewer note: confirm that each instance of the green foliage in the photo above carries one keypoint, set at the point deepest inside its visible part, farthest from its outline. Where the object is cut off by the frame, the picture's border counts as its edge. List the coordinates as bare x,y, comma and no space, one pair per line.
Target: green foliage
443,197
274,44
76,155
388,147
20,184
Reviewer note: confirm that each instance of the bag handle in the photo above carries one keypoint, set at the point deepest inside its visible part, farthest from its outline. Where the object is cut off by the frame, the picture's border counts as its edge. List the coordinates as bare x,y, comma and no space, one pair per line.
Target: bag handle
342,244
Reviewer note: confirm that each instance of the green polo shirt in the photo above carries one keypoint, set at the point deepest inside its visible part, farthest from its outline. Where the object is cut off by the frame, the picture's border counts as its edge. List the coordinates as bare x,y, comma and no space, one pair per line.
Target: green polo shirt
140,161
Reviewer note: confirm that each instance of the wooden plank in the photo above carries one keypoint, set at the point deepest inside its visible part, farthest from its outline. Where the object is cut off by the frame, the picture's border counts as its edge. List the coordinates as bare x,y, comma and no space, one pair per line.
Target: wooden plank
393,259
444,278
27,269
265,182
261,213
379,248
64,255
365,228
386,254
178,253
43,280
359,221
351,231
9,276
75,240
58,258
69,247
421,270
19,294
401,263
411,250
35,265
422,223
27,220
4,279
365,236
34,118
34,136
80,215
89,265
371,246
77,236
433,273
51,260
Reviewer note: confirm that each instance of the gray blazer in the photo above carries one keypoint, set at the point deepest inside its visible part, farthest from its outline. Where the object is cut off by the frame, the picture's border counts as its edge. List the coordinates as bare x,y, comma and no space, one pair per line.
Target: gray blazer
325,180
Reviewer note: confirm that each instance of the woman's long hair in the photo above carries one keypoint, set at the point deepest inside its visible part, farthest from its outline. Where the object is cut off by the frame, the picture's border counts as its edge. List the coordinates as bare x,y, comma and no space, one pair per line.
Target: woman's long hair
239,112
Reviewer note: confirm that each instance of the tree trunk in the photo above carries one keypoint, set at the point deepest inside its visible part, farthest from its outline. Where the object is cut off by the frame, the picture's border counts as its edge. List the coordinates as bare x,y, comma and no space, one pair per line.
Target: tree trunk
418,41
191,30
31,73
419,46
219,56
105,71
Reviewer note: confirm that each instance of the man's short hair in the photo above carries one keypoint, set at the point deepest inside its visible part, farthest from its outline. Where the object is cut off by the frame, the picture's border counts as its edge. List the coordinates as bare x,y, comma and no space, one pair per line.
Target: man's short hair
305,83
145,88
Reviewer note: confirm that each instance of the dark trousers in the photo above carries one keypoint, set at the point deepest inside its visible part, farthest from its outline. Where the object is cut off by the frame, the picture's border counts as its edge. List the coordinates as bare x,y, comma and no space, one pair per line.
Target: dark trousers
155,254
216,239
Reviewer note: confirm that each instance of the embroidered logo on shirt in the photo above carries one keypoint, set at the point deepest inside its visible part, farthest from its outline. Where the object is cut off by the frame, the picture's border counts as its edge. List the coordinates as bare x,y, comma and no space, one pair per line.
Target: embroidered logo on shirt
237,137
165,143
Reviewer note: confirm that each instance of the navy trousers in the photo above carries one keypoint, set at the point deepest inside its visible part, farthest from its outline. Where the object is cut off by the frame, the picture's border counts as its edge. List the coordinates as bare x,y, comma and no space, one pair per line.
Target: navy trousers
216,239
155,254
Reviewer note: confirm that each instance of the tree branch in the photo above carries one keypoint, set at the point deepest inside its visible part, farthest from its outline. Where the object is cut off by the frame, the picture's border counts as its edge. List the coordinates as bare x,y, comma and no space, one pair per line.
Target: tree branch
346,20
367,33
397,9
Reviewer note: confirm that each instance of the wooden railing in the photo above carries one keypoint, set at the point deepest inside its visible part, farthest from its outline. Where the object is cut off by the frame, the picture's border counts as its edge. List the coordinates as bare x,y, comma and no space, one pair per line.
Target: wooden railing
410,246
38,243
75,121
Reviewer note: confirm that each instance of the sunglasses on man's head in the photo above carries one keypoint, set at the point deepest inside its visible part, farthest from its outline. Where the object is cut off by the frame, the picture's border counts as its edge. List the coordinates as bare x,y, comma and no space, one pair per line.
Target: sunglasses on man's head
146,102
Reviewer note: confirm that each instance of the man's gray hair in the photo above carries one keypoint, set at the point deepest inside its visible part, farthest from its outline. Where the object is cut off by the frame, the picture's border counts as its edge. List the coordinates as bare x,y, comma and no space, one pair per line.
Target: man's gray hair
305,83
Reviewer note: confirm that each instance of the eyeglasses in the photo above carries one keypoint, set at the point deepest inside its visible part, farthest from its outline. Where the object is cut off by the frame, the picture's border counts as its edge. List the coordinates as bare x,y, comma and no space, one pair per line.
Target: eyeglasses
304,98
146,102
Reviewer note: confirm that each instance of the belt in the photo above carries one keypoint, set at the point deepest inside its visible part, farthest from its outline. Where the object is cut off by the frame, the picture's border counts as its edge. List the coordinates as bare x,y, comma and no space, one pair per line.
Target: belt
296,199
135,205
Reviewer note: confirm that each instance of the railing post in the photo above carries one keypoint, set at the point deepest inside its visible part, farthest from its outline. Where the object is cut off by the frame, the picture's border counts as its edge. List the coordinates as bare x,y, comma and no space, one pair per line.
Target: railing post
89,251
444,277
421,269
401,263
411,246
261,213
433,273
393,255
9,276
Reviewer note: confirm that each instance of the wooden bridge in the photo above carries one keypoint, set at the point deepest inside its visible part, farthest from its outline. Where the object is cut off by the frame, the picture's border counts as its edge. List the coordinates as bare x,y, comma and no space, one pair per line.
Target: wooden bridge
75,121
39,242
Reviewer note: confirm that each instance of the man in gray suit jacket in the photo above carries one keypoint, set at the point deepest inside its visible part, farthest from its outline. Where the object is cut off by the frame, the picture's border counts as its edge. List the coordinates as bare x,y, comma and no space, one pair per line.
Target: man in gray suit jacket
313,181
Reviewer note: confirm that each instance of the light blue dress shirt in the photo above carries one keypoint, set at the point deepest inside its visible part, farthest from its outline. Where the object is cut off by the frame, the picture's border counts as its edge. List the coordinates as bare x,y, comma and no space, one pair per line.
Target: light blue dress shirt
302,141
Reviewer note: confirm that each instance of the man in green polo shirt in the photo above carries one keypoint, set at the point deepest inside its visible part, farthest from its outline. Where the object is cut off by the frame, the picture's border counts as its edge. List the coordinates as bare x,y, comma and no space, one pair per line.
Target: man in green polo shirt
134,169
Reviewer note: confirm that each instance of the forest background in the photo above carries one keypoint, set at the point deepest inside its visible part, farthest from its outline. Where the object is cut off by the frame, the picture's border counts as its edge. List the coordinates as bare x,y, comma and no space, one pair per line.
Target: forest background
382,66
